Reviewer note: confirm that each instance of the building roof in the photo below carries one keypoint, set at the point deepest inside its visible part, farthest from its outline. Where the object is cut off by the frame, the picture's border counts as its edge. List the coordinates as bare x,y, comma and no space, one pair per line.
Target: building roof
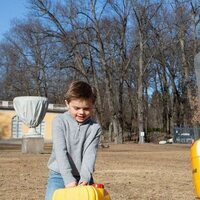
8,105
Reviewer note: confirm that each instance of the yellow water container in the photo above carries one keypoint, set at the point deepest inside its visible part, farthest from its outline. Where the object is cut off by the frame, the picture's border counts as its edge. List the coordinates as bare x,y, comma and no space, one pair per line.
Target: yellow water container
88,192
195,158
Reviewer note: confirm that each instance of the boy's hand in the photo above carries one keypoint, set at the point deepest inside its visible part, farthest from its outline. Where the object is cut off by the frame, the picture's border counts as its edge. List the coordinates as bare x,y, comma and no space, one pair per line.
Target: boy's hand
83,183
72,184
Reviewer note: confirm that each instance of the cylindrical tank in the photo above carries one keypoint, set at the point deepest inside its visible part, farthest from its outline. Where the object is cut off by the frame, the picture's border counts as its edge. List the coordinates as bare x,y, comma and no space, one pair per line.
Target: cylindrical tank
195,158
89,192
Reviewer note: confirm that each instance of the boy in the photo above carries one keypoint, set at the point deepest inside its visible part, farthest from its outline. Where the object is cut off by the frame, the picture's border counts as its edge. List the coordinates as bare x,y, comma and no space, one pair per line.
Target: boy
75,140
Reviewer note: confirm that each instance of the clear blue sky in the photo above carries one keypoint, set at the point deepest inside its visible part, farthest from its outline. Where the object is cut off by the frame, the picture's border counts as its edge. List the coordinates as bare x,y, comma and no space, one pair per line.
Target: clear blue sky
9,10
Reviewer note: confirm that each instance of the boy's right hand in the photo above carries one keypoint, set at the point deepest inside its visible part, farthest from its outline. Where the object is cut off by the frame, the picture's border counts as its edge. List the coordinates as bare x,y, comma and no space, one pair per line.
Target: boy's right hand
72,184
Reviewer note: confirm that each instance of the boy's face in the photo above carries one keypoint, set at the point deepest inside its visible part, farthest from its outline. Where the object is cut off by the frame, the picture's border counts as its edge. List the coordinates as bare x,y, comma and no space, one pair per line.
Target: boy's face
80,109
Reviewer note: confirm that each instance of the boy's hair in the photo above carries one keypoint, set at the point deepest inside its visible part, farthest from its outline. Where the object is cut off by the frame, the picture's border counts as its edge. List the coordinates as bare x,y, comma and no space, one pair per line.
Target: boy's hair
80,90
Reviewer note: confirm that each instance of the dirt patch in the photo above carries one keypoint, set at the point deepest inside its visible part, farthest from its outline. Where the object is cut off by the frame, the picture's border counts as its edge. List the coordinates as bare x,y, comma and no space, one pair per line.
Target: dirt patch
128,171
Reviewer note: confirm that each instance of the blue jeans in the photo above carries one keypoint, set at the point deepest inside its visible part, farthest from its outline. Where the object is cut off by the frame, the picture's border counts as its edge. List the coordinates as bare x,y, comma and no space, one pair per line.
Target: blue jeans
55,181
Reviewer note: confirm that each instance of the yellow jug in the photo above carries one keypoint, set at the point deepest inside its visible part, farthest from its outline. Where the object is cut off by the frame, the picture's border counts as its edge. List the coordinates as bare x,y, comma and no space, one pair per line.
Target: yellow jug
195,158
88,192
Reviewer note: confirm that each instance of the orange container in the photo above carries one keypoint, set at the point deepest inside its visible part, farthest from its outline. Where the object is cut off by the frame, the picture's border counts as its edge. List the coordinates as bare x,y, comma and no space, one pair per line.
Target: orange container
89,192
195,158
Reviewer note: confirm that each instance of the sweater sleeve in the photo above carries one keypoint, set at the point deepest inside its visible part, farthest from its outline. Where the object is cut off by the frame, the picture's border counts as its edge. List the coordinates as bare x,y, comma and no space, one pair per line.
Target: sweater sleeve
89,156
60,148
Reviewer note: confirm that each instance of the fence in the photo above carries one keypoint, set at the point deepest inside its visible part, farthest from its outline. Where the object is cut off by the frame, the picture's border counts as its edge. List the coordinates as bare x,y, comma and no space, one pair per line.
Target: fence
186,135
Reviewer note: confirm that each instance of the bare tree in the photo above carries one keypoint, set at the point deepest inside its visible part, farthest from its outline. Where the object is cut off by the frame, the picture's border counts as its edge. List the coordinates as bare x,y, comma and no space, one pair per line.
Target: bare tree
37,59
143,14
138,54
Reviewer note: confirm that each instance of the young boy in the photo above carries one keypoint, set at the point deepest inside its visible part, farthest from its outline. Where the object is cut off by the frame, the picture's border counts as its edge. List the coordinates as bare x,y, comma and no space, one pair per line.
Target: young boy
75,141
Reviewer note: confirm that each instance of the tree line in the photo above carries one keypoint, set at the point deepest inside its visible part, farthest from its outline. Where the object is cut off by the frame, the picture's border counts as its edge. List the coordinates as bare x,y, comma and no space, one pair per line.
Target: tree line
138,54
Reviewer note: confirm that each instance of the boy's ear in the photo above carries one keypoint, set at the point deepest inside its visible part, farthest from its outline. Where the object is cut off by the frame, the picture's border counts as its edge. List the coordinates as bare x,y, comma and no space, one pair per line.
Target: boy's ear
67,104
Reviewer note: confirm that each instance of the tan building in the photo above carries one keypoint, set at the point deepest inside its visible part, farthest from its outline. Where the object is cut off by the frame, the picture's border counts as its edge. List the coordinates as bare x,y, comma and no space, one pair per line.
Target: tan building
11,127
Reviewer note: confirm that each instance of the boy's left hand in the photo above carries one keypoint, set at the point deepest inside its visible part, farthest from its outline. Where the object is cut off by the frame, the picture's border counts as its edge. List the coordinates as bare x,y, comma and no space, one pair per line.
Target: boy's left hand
83,183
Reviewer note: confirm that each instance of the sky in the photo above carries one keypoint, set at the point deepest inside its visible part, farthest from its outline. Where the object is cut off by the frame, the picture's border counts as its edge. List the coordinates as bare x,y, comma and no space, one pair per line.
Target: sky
10,10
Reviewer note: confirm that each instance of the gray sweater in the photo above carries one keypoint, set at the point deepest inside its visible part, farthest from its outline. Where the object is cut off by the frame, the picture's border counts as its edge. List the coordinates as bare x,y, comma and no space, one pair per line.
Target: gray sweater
74,148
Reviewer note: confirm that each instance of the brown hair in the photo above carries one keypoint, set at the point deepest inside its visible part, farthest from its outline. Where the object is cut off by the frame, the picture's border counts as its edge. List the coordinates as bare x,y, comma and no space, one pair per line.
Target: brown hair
80,90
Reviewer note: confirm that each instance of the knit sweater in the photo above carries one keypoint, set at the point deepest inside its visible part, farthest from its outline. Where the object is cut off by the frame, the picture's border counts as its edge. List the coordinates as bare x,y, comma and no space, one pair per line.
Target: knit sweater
74,148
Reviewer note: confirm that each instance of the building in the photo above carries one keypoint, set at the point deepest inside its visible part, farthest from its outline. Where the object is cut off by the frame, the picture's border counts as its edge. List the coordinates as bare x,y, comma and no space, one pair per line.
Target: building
11,127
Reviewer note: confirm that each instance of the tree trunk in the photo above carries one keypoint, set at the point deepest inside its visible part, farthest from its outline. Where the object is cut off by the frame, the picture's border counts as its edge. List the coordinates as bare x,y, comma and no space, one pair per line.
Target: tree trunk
186,91
140,93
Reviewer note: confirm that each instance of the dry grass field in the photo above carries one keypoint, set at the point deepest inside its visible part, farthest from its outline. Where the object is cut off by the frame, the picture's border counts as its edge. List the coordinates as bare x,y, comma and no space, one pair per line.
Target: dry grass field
128,171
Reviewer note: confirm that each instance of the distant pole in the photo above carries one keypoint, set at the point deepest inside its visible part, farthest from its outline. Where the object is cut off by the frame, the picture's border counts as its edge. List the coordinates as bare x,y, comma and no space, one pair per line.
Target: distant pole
141,137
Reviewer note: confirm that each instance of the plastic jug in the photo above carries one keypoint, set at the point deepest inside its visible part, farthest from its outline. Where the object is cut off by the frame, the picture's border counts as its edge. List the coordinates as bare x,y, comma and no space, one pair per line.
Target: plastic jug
88,192
195,158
